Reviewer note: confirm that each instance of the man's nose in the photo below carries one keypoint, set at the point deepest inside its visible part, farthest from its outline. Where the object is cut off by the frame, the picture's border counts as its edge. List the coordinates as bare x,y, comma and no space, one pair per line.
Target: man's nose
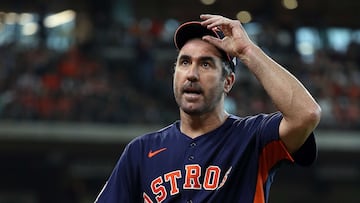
193,72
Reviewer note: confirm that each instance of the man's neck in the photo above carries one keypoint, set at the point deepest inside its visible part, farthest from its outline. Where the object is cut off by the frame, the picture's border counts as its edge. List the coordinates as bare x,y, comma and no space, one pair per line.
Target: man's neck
197,125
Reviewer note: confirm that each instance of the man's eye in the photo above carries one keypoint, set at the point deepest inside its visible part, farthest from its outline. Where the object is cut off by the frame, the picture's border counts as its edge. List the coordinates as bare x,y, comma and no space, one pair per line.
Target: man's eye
205,64
184,62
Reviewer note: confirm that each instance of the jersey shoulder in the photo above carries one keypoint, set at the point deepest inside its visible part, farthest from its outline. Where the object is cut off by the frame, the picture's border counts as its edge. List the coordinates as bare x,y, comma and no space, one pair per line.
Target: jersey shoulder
256,121
157,136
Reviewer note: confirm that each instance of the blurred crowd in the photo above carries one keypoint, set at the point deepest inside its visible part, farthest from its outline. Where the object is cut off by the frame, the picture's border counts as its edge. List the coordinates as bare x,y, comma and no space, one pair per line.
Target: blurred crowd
84,84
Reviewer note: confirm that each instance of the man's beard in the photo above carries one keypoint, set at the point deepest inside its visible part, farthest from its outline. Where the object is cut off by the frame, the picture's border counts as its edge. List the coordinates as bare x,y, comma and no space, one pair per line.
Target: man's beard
209,102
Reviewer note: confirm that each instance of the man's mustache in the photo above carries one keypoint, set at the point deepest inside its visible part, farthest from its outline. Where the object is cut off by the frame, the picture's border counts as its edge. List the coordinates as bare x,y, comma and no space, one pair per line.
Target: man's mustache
192,87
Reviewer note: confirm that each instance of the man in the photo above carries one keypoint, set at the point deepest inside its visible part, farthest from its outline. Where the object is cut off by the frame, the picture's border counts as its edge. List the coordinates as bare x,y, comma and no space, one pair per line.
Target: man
210,155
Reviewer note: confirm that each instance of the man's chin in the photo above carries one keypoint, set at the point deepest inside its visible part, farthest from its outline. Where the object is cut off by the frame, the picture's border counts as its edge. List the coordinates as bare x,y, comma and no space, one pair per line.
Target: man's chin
192,110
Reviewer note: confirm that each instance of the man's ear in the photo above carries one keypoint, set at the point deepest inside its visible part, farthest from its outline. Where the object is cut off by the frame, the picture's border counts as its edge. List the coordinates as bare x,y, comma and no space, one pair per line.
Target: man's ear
229,82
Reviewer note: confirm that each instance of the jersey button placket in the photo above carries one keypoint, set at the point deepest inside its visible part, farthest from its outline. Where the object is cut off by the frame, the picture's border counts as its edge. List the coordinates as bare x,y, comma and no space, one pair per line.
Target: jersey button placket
192,147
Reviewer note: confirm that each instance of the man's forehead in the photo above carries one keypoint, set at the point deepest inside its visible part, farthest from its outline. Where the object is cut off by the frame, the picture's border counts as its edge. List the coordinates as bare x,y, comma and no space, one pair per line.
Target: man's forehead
199,48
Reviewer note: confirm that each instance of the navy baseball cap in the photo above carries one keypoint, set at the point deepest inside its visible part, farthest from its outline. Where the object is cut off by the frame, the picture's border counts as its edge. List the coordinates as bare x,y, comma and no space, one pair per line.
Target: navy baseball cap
194,29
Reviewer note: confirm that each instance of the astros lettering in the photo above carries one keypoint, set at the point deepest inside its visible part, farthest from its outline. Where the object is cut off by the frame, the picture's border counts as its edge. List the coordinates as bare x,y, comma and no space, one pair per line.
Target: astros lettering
191,181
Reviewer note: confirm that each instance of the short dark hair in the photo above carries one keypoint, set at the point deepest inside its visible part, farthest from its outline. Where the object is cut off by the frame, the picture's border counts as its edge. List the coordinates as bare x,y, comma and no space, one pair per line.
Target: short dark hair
227,68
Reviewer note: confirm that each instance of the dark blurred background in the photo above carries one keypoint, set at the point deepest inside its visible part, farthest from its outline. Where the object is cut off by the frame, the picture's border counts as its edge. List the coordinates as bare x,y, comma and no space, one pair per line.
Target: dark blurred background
79,79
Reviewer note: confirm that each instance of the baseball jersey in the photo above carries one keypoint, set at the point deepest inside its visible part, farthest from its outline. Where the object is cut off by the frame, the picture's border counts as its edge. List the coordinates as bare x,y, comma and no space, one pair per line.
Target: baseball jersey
234,163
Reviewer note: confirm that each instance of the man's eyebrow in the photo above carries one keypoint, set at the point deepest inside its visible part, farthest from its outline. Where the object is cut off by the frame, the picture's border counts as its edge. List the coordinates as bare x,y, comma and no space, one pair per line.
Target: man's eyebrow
184,57
207,58
202,58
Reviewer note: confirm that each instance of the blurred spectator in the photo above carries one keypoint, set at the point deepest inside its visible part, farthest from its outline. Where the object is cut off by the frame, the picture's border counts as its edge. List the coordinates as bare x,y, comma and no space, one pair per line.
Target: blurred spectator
85,85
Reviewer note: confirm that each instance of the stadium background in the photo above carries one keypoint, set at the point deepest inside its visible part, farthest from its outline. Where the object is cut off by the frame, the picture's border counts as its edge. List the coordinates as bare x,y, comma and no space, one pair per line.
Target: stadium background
79,79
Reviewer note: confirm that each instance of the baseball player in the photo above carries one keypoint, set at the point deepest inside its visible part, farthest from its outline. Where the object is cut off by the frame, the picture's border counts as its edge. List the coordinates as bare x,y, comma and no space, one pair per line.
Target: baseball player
210,155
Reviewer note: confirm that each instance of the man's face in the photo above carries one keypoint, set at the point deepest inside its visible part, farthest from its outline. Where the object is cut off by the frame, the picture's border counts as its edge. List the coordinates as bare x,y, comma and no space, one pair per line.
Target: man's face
198,83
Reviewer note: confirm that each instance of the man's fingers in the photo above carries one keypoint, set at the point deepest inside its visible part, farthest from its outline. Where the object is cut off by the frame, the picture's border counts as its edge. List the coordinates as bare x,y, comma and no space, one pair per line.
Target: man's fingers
214,41
211,21
216,21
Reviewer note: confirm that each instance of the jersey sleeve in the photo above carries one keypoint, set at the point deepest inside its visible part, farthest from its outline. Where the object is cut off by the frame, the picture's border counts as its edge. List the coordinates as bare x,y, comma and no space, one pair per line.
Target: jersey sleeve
273,153
123,183
307,154
269,131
